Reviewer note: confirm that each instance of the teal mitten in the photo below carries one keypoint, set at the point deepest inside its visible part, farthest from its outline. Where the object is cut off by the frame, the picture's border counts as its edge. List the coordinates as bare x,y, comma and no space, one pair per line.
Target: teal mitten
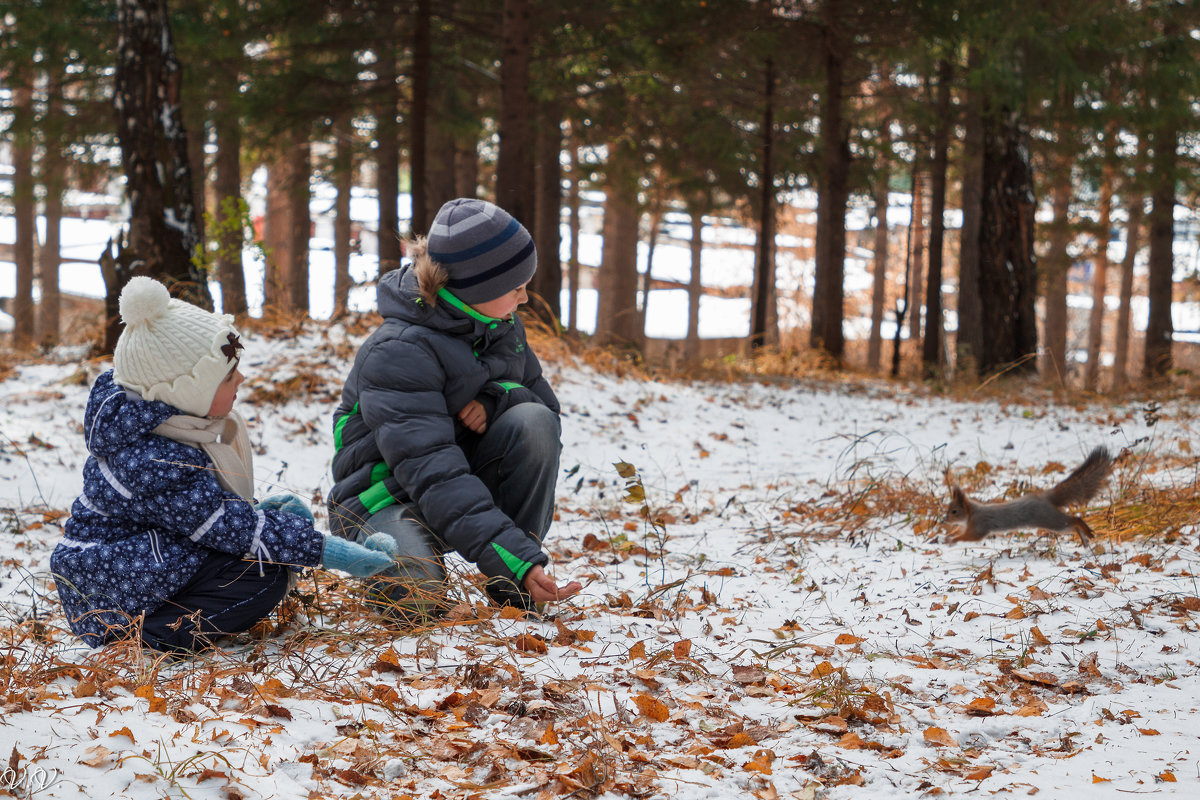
285,502
360,560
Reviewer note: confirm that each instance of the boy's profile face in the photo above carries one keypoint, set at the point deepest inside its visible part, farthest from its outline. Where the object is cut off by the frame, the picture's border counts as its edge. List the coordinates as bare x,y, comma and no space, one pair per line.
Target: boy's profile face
222,402
504,305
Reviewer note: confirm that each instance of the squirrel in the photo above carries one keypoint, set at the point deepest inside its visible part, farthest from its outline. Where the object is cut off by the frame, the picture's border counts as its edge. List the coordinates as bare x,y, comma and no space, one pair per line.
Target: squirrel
1038,510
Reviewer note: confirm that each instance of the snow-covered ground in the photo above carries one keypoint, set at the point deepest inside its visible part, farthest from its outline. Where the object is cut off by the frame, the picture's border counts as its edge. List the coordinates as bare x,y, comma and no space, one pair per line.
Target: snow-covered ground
781,625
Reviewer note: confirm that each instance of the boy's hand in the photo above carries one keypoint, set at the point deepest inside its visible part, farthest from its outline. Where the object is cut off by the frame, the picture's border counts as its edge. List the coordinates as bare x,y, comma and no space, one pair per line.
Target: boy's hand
542,588
474,416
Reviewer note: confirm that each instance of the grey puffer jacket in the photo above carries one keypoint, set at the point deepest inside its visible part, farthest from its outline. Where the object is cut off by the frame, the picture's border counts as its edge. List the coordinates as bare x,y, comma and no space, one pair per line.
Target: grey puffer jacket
397,433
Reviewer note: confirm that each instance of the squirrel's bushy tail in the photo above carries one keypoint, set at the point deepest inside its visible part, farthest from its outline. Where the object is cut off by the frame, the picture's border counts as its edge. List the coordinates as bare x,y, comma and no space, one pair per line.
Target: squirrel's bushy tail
1082,484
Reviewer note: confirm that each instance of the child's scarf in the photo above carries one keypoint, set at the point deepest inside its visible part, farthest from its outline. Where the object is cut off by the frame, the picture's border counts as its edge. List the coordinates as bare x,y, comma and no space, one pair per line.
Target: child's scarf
225,440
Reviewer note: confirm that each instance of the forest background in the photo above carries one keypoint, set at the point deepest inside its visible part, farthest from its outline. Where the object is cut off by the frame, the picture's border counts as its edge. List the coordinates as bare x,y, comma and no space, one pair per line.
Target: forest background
1041,132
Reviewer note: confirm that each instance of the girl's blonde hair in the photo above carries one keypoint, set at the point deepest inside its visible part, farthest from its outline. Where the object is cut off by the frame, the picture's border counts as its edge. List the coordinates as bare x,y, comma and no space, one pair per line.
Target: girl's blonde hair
431,276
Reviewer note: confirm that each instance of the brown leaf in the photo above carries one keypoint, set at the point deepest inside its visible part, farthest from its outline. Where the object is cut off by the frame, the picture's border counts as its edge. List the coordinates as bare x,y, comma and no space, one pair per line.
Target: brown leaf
939,737
1040,678
852,741
277,711
549,737
124,732
85,688
637,652
96,756
847,638
682,648
748,676
211,773
831,724
1039,638
652,707
979,773
740,739
530,643
593,543
1148,732
981,707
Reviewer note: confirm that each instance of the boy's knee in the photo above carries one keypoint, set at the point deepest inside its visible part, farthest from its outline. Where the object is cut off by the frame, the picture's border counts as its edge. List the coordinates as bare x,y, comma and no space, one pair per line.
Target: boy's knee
534,429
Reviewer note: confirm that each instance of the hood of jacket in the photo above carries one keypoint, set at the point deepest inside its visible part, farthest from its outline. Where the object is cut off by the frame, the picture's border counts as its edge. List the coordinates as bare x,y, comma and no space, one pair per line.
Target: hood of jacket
398,295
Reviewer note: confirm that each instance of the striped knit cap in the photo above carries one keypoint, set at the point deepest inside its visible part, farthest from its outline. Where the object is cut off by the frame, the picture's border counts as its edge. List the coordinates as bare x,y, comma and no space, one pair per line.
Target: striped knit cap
485,252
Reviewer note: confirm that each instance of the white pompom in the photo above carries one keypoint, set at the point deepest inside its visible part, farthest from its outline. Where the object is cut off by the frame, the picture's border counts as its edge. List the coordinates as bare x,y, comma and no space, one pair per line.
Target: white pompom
143,300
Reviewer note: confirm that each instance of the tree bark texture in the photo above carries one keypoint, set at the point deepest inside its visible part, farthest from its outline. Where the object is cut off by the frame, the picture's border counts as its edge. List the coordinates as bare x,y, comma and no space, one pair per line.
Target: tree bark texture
343,227
1007,269
916,286
1091,375
832,194
695,285
616,312
418,122
574,227
879,277
54,179
299,223
388,143
1133,232
1157,357
1055,268
931,353
227,185
24,213
969,336
764,264
154,152
547,281
515,163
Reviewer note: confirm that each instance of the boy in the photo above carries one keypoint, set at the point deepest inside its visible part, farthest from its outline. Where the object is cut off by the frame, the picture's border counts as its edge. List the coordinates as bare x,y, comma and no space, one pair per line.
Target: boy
447,434
166,521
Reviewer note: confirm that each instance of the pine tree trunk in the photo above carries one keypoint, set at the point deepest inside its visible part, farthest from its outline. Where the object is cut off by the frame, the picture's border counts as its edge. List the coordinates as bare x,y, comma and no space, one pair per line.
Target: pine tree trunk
1136,210
343,227
616,307
1007,271
764,264
24,213
695,284
916,295
879,273
573,259
154,153
832,195
515,163
300,223
388,145
969,337
547,281
50,254
1091,376
931,353
1157,359
654,229
1055,268
418,123
227,185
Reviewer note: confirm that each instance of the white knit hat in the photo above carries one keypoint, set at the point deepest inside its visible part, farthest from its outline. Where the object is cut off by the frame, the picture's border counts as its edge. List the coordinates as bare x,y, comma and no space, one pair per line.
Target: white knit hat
171,350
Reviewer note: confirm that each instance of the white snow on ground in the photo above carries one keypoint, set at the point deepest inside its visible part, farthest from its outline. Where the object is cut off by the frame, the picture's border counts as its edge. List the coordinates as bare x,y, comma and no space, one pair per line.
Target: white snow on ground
788,630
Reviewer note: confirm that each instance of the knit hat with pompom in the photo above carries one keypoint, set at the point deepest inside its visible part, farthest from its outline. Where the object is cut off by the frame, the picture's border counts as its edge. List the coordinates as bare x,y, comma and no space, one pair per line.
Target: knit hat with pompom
170,350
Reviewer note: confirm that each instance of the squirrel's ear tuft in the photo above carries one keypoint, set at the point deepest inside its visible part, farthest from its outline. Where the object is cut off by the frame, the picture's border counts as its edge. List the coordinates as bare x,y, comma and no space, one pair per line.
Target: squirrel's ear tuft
957,497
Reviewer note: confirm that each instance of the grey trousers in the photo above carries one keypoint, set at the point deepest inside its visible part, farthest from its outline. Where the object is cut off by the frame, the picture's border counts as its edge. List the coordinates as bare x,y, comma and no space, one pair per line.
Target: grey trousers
517,459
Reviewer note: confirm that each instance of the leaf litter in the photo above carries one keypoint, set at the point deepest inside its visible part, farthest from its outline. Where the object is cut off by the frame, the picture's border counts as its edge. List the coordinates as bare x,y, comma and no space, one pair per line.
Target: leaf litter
769,610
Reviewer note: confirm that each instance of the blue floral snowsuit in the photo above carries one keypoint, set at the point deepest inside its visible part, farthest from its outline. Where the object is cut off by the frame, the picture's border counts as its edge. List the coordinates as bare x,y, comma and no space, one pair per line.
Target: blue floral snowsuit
150,514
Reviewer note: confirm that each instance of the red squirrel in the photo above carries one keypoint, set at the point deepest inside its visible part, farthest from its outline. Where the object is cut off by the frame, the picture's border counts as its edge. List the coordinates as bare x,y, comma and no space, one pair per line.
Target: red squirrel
1038,510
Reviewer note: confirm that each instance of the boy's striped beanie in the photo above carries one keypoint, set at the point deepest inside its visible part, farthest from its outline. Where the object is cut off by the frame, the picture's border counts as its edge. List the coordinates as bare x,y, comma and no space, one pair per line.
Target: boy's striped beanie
485,252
